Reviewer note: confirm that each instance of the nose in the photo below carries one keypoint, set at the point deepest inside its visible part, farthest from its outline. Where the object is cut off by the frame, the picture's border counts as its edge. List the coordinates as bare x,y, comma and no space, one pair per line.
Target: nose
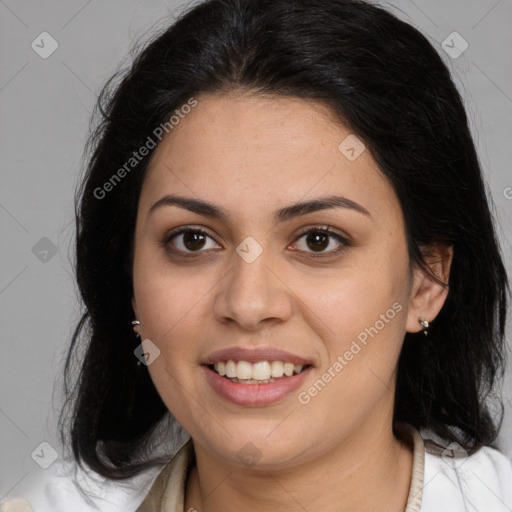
253,294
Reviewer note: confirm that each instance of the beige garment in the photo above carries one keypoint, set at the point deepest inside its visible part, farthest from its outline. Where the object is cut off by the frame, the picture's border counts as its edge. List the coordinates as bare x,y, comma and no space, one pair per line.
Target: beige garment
167,493
16,505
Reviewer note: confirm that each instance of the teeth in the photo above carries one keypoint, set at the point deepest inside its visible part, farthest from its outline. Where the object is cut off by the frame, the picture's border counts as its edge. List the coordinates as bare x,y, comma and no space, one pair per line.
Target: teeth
221,368
262,371
288,369
243,370
230,369
277,369
252,381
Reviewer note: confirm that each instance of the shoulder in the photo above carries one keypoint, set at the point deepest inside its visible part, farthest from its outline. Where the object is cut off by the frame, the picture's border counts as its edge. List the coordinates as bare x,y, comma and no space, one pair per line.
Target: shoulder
454,480
64,486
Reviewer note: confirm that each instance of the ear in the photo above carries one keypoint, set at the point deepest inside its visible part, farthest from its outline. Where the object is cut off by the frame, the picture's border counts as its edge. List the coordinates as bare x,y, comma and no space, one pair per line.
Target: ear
134,306
427,295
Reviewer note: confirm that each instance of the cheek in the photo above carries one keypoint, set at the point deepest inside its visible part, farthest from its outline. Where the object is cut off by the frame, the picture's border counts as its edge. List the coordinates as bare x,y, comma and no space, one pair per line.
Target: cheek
167,295
173,314
363,332
355,296
363,314
170,309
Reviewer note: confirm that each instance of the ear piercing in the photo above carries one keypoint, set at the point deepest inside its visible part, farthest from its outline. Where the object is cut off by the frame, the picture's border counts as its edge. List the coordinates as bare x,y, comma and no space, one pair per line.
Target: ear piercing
425,325
136,325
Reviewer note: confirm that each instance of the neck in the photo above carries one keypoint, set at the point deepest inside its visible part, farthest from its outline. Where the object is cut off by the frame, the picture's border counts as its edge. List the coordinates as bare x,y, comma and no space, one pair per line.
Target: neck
369,470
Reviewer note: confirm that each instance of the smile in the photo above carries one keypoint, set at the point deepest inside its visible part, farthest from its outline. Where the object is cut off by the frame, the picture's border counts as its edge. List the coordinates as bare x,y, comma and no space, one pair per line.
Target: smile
260,372
256,384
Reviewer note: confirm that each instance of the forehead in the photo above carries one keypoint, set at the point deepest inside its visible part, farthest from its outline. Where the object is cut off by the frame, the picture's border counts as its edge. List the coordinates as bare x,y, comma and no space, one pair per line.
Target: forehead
255,153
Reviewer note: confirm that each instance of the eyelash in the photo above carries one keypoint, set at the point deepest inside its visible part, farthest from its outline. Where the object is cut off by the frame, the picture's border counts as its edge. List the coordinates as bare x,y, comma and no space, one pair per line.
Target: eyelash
325,230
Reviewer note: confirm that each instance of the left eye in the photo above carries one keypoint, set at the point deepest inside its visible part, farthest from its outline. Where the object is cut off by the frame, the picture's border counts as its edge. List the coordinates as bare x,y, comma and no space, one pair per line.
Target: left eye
320,239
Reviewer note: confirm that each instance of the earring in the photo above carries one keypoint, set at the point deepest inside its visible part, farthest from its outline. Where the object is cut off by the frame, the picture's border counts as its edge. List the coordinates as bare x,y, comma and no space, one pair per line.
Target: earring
136,324
425,325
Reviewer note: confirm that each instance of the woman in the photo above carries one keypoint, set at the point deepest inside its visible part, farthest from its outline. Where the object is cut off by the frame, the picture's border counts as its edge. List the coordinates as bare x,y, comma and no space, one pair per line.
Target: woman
285,204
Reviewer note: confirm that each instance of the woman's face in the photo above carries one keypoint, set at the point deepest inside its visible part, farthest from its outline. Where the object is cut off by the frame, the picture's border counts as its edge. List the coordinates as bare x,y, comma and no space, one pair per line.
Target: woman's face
256,281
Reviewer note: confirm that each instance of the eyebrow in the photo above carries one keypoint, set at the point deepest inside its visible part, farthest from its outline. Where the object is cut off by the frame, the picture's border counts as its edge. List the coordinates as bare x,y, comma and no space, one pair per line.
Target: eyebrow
282,215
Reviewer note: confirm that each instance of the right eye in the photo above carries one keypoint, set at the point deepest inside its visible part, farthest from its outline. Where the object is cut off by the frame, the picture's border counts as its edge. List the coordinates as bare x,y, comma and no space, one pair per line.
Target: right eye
187,240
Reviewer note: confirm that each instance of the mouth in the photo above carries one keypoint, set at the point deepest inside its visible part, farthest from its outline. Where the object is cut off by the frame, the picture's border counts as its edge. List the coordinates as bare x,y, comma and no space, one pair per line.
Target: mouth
260,384
260,372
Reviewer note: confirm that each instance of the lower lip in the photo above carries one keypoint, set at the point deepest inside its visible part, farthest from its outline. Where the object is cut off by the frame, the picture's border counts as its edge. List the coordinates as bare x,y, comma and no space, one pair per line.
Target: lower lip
254,394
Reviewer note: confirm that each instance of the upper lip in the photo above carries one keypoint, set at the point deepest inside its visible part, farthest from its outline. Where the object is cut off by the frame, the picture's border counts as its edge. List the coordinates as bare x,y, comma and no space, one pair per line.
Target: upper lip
254,355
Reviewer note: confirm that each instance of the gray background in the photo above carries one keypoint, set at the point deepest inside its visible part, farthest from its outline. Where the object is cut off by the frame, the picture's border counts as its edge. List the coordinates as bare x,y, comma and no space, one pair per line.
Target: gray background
45,106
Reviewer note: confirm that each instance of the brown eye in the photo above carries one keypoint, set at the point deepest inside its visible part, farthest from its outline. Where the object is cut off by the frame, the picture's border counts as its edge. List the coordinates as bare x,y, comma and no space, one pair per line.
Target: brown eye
193,240
187,240
318,240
